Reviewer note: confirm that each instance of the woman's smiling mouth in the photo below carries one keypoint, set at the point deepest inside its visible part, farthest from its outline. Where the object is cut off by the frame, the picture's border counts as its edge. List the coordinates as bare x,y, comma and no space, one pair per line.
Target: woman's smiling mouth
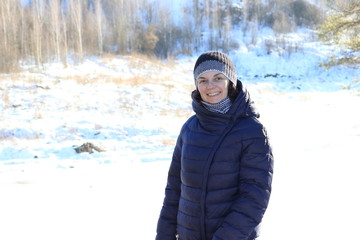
213,94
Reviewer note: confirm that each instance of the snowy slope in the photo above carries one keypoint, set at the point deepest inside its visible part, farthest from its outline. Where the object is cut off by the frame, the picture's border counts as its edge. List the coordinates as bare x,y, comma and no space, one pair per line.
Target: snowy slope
134,108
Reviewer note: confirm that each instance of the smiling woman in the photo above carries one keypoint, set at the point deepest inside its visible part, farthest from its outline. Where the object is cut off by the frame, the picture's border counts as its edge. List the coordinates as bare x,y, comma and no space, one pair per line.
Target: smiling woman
213,86
219,181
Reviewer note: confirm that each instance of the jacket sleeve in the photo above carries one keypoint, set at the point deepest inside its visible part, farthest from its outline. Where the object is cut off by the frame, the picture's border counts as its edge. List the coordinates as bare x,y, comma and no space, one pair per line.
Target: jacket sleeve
256,169
166,227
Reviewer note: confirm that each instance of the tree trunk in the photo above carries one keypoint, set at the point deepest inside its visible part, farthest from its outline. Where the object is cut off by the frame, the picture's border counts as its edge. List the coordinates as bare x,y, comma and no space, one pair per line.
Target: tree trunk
98,15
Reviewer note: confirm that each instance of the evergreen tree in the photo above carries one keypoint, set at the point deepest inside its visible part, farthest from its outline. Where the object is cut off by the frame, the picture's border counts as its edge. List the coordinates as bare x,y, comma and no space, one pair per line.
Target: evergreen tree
342,28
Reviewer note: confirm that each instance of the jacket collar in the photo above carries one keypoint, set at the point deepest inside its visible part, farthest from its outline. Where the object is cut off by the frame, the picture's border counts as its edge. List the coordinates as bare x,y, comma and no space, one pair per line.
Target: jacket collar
241,107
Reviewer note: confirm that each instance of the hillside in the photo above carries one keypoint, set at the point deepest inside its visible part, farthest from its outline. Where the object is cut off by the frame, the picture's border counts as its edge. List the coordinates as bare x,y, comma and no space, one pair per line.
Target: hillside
132,107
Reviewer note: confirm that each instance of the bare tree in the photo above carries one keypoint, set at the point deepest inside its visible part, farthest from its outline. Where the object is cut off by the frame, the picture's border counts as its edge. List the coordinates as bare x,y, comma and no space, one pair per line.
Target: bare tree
227,26
36,31
4,14
64,51
55,23
99,20
23,32
76,16
165,32
115,12
198,17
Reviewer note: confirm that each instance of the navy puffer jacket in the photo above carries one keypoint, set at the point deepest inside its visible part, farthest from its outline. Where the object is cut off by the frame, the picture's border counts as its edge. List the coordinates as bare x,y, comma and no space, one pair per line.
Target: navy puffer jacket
219,180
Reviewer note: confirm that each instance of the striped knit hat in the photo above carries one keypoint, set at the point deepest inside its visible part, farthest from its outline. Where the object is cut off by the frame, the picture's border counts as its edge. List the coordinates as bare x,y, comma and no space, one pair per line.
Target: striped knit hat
215,61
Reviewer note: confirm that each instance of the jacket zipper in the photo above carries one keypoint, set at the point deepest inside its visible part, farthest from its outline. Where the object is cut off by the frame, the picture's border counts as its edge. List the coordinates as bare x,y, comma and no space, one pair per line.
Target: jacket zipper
205,179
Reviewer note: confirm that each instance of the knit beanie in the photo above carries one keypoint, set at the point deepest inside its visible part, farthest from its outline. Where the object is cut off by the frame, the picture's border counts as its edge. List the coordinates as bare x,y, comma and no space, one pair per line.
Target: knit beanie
215,61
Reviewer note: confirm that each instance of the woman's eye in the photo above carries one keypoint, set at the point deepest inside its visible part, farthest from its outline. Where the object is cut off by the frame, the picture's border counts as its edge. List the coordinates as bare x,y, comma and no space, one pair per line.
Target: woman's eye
202,81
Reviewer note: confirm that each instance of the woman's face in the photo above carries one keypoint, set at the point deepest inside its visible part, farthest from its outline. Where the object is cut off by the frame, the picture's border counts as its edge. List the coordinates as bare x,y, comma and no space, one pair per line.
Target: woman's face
213,86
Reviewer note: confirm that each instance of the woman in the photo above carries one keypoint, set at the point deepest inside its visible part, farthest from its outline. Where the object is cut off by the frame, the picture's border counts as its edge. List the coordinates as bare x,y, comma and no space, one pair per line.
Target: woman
219,180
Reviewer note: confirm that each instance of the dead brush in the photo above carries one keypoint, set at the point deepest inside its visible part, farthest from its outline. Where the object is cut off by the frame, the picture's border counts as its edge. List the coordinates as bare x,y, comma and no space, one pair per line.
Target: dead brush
168,141
86,79
89,148
180,113
38,114
149,60
13,135
6,98
133,81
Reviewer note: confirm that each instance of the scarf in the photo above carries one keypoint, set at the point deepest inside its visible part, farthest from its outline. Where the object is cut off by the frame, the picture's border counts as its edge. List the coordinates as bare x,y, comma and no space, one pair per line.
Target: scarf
221,107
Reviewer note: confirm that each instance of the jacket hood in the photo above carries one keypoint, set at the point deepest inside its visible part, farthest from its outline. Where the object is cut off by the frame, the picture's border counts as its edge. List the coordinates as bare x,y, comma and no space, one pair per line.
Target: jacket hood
241,107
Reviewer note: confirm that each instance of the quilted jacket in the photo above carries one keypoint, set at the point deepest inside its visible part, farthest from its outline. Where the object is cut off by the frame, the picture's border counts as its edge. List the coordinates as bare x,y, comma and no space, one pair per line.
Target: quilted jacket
219,181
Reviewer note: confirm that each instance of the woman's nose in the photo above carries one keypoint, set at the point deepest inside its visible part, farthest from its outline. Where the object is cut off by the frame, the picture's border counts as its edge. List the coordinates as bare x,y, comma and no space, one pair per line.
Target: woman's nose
210,84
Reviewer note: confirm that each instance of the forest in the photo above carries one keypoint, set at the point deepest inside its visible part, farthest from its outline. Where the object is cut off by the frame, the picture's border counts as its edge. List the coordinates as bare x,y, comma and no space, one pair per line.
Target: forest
42,31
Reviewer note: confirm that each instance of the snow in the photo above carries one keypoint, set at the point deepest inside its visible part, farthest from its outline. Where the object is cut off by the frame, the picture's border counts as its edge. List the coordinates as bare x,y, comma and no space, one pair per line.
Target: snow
134,108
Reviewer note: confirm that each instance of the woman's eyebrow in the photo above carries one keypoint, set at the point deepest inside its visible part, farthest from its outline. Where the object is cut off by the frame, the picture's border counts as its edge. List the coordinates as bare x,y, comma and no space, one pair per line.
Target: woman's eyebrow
218,74
212,76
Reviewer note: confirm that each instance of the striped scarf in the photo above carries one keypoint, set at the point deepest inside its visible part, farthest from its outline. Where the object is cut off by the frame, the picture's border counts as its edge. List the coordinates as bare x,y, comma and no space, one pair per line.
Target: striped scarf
221,107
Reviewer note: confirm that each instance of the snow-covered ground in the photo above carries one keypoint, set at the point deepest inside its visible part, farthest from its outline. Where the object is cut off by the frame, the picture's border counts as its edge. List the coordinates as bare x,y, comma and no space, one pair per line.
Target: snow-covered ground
134,109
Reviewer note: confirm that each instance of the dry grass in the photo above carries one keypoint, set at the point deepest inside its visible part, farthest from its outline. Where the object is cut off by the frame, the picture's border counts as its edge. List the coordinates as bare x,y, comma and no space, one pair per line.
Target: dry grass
145,71
144,65
132,81
152,60
109,56
168,141
84,79
180,113
73,130
10,135
5,98
351,85
38,114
